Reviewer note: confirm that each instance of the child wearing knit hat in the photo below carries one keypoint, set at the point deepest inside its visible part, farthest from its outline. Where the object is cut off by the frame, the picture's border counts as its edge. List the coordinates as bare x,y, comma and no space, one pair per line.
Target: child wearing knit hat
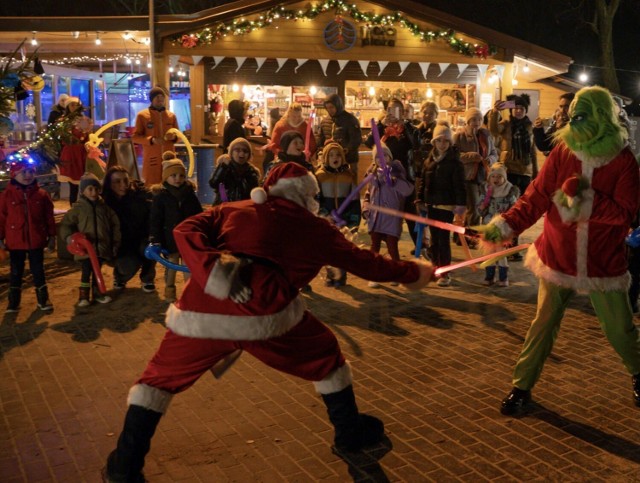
234,176
499,196
91,216
175,201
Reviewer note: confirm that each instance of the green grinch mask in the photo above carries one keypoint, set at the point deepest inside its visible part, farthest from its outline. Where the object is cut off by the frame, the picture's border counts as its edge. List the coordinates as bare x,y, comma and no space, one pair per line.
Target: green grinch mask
593,128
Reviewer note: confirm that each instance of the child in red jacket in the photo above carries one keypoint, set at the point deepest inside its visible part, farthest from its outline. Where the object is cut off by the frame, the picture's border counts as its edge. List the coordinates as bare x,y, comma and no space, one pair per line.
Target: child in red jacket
26,228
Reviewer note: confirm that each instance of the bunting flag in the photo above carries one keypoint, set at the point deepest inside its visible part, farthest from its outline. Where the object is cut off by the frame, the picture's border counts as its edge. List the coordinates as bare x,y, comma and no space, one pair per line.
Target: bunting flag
382,64
260,61
500,70
482,70
443,67
342,64
300,63
196,59
324,63
240,61
281,61
364,65
403,65
462,68
217,59
424,67
173,60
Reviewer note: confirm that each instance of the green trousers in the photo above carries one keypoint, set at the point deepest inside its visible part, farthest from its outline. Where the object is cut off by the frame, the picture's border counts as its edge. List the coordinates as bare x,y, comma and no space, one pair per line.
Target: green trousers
616,319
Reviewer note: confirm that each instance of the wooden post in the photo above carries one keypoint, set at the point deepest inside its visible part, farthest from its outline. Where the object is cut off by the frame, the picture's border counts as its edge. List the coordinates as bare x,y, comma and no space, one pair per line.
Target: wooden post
198,102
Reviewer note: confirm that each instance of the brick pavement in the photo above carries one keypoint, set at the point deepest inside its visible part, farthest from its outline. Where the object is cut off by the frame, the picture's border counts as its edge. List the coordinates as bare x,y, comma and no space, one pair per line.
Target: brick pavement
433,365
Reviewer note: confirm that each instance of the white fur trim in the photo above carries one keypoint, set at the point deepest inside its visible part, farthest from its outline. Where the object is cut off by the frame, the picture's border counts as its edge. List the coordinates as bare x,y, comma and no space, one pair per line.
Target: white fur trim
299,189
505,230
149,397
426,275
221,275
202,325
580,283
336,381
597,161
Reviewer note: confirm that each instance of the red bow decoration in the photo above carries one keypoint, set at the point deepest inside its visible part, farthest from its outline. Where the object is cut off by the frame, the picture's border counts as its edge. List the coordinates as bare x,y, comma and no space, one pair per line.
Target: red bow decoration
189,41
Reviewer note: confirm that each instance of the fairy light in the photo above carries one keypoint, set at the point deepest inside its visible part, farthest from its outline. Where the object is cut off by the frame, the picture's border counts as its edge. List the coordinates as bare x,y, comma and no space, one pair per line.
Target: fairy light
34,41
98,41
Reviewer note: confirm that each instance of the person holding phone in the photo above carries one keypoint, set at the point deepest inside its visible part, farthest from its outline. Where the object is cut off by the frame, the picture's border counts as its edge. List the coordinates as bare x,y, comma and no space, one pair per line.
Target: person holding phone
517,147
543,136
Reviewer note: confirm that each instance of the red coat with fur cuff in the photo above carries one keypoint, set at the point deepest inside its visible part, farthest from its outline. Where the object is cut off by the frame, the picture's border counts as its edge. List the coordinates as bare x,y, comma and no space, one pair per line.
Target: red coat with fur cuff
584,250
288,245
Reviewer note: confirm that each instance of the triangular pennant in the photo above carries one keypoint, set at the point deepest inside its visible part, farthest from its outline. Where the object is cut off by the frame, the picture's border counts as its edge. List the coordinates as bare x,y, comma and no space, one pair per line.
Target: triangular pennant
364,64
281,61
462,68
403,65
173,60
424,67
300,62
260,61
324,63
342,64
217,60
482,69
382,64
240,61
196,59
500,70
443,67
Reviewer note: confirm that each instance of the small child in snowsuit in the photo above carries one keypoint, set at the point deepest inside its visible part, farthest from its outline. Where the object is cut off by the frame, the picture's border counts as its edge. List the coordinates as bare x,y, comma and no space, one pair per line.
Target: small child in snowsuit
26,228
99,223
383,227
175,202
499,196
235,173
336,182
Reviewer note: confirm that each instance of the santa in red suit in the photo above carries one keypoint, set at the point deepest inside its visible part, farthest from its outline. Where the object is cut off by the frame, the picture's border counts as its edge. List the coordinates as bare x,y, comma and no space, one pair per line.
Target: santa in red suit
248,262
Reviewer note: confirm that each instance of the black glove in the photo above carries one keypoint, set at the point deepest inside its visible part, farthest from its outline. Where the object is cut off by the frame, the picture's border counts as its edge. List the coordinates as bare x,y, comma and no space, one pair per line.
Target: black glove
239,292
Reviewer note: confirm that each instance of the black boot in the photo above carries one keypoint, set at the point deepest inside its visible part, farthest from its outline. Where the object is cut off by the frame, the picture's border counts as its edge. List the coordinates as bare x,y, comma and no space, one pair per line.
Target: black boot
14,299
635,380
125,463
353,431
42,295
516,400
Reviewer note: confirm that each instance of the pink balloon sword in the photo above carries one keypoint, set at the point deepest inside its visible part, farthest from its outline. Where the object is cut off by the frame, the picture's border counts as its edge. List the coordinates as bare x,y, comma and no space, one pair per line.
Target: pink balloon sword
491,256
420,219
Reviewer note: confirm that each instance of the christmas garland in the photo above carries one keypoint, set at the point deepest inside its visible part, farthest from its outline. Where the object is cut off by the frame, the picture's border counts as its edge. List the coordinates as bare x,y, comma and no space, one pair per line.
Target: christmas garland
241,26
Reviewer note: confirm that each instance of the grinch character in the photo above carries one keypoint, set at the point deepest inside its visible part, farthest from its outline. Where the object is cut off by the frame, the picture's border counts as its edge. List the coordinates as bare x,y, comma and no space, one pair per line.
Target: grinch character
588,191
248,261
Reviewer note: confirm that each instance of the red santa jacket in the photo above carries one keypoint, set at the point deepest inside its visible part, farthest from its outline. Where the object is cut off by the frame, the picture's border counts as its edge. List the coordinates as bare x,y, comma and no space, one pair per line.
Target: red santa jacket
288,245
26,216
587,254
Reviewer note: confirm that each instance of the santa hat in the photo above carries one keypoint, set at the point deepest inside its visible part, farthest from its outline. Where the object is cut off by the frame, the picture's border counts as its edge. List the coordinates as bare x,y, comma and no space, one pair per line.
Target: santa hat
498,168
290,181
240,141
442,131
171,165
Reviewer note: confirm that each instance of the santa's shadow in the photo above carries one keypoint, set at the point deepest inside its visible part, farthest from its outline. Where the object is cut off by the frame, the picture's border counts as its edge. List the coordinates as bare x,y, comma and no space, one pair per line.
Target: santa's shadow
124,313
364,466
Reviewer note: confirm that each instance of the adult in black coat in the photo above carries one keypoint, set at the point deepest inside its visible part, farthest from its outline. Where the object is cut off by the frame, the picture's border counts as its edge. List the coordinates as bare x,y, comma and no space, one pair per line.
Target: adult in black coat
234,128
341,127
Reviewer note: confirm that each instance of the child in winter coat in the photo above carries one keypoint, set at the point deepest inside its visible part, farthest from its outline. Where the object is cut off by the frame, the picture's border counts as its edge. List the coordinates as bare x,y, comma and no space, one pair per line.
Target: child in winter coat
383,227
500,195
99,223
235,173
26,228
175,202
441,193
291,151
336,182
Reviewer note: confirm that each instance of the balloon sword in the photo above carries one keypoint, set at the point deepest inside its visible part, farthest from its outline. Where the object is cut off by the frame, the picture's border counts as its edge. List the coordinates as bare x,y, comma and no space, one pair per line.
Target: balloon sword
337,214
490,256
80,245
383,162
420,219
156,252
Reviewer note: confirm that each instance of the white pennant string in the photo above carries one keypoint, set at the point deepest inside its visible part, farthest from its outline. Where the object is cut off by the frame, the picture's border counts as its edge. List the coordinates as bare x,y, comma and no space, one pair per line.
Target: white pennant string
324,63
240,61
217,60
342,64
196,59
260,61
382,64
281,61
364,64
482,69
403,65
462,68
424,67
443,67
300,62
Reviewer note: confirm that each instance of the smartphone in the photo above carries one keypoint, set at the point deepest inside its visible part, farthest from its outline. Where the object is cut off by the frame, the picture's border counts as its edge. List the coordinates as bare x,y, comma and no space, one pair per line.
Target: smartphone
508,105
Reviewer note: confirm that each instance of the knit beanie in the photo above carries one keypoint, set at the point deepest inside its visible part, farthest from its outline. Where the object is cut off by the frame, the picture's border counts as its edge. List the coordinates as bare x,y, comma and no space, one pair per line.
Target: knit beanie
89,179
171,165
498,168
237,142
385,149
442,130
471,113
156,91
286,139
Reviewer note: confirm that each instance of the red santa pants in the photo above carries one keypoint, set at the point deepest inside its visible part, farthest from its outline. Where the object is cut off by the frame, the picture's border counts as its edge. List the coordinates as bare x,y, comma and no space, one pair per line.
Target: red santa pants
309,350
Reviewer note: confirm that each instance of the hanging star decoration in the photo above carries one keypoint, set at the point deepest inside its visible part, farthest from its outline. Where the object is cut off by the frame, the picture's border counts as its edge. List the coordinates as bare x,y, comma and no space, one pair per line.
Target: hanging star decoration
242,26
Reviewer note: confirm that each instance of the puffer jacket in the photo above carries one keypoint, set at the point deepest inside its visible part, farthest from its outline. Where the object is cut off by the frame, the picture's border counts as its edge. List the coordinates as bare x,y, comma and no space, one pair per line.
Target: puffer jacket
26,216
98,222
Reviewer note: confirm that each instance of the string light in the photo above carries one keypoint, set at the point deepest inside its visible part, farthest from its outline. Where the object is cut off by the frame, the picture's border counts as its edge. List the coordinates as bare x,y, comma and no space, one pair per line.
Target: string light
526,68
127,36
98,41
372,91
34,41
75,34
583,77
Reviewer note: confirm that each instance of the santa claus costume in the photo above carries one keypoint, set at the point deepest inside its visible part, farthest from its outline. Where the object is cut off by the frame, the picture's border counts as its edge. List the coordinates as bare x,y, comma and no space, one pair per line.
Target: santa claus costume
588,190
248,261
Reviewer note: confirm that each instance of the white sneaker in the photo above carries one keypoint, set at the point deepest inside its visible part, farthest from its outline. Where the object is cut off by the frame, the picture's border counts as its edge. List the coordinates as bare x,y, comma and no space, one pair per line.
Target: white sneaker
444,281
373,285
83,303
394,284
503,283
102,299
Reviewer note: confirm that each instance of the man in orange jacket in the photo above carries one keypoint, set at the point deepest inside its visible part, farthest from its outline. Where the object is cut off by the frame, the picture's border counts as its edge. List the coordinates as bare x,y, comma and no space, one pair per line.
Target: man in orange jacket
151,129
